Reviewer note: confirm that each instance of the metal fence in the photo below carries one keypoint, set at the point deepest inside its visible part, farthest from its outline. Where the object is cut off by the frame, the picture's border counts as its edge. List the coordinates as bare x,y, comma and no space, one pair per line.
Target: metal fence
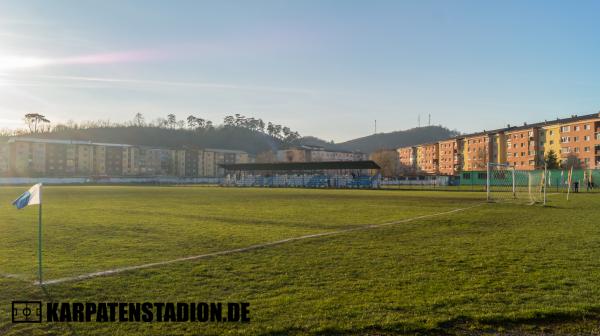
588,180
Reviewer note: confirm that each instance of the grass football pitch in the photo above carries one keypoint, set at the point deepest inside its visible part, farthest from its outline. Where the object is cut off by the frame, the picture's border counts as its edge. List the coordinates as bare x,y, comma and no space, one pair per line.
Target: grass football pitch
497,268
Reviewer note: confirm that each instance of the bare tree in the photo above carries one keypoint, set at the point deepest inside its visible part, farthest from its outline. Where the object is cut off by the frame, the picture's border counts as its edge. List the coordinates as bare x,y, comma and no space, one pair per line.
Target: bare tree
388,161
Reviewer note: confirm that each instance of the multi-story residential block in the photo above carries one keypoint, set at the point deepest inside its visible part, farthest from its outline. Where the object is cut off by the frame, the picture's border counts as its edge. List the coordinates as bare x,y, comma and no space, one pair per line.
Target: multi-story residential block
318,154
38,158
114,159
407,157
450,156
208,163
4,159
580,141
56,159
191,162
498,147
522,147
180,162
85,160
428,158
549,140
477,151
28,156
99,160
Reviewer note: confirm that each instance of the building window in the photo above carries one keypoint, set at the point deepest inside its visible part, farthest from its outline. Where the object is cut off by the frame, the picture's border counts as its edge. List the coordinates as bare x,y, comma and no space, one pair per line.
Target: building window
586,127
586,138
576,128
565,128
586,149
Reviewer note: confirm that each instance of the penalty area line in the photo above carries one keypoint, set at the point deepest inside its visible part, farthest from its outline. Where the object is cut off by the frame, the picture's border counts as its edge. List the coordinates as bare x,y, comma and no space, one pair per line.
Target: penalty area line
244,249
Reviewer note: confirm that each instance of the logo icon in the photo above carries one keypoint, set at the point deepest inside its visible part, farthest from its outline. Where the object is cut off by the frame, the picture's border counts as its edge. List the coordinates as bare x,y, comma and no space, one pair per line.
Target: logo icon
26,312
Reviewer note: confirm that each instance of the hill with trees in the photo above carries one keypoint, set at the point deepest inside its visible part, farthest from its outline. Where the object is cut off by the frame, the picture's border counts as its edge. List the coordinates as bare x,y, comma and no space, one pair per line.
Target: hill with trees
393,140
235,132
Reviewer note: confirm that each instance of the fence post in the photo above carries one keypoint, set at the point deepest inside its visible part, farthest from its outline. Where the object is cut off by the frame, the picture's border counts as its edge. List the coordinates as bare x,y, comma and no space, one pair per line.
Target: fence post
514,183
545,182
488,182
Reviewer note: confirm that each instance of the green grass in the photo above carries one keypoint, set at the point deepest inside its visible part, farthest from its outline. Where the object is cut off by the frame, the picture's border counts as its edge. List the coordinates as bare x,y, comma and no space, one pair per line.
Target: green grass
493,267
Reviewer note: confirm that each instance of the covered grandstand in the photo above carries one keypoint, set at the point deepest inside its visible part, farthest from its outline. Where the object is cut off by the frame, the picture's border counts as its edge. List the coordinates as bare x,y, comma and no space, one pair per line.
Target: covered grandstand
325,174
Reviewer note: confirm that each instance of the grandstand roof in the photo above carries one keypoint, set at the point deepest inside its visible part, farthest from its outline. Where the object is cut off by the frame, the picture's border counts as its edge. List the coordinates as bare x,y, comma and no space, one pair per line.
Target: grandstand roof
282,166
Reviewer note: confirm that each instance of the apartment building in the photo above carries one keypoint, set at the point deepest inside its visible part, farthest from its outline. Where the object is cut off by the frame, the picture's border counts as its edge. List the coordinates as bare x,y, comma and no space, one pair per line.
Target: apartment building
576,140
318,154
450,162
4,159
99,154
580,141
522,148
85,159
550,139
428,158
407,157
191,165
477,151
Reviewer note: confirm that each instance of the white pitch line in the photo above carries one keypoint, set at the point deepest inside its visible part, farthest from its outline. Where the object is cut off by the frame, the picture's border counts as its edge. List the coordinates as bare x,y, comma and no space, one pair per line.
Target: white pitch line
12,276
242,249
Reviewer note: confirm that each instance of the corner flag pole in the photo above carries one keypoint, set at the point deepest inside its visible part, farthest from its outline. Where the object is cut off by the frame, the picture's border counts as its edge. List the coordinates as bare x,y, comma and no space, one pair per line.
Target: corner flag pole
40,238
33,196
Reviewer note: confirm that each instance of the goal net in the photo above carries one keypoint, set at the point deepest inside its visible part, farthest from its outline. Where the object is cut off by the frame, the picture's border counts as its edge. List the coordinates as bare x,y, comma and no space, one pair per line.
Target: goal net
505,183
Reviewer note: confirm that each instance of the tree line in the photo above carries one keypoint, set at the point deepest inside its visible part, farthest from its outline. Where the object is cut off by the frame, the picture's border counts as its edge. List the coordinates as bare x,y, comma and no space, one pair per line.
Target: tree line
37,124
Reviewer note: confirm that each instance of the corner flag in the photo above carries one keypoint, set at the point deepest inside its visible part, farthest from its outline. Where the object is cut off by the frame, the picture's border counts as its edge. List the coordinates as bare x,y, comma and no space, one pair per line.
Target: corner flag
31,197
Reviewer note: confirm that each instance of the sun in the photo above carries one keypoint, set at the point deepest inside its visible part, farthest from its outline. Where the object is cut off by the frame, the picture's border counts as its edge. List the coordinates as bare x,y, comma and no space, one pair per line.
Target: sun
10,62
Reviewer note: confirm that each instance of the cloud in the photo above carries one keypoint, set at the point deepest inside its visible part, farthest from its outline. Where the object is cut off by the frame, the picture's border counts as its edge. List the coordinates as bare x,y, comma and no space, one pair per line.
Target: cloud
200,85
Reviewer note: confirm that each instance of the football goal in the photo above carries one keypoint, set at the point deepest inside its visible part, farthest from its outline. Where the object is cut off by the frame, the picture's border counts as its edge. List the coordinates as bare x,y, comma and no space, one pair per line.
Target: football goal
506,183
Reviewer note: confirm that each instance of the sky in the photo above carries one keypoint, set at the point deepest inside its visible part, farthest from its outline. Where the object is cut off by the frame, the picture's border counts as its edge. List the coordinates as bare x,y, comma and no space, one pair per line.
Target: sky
325,68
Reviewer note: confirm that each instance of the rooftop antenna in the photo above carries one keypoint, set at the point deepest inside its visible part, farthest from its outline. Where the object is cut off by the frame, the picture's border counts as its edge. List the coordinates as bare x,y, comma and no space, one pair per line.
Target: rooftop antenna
375,127
429,121
419,120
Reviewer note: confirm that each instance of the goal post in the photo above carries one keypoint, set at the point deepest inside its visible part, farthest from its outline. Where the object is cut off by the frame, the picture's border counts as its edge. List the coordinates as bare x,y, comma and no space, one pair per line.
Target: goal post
505,183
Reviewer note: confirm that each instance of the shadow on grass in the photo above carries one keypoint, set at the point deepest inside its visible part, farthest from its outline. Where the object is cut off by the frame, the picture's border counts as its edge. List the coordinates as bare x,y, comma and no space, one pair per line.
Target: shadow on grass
549,323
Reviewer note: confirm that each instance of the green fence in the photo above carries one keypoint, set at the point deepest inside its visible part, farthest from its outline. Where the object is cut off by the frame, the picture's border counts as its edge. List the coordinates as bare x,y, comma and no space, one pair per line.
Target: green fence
477,180
557,178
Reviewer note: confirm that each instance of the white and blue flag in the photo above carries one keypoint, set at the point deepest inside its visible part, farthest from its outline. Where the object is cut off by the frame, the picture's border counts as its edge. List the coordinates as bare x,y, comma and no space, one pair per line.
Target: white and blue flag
30,197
